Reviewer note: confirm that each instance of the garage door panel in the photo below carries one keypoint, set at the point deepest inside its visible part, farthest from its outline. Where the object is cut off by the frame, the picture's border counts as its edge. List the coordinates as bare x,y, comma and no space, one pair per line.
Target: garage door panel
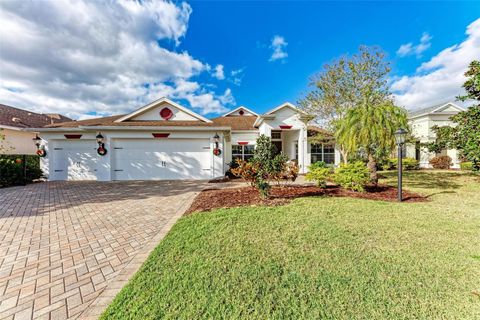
149,159
74,160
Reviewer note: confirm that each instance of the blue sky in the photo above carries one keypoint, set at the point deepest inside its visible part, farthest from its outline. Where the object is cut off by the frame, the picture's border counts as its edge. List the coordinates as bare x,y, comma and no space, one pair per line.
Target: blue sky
239,34
213,56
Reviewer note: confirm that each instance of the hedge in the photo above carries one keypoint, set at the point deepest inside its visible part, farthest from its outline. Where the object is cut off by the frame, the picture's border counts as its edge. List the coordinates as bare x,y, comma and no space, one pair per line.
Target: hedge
11,169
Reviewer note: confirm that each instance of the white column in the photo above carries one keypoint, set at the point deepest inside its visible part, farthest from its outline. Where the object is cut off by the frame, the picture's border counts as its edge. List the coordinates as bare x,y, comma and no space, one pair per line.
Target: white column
302,150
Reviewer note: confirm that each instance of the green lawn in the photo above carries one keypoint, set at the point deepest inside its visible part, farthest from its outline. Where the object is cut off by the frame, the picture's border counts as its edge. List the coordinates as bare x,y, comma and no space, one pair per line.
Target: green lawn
332,258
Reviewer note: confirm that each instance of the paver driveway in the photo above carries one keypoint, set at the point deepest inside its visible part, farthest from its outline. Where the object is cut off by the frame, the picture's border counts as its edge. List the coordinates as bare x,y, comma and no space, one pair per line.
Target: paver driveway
62,243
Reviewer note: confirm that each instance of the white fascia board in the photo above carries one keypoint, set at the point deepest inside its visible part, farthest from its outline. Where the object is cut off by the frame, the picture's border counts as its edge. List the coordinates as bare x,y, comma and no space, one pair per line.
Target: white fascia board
12,128
61,129
447,104
241,107
244,131
157,102
144,128
286,105
437,109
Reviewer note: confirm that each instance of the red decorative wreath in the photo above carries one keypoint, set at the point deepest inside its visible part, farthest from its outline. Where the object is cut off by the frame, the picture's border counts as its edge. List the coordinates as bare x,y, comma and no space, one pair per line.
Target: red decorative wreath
217,151
102,151
41,153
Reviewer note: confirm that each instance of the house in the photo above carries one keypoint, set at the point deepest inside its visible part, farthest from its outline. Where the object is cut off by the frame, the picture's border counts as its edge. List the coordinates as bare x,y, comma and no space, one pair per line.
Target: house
14,121
421,123
164,140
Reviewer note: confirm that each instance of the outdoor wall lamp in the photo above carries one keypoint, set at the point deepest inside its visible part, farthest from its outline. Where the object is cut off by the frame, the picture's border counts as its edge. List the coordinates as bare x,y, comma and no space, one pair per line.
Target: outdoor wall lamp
37,140
400,137
101,145
40,150
216,140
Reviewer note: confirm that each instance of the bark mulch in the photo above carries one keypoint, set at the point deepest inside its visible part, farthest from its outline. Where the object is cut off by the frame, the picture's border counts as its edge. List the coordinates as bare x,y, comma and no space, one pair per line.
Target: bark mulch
246,196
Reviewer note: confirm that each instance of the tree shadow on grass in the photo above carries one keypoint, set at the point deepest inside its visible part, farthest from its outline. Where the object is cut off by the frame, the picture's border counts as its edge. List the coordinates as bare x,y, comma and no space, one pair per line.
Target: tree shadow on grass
441,192
428,179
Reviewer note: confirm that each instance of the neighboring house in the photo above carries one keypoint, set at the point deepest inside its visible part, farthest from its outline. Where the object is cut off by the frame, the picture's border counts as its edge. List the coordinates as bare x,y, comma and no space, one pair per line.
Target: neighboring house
14,121
164,140
421,122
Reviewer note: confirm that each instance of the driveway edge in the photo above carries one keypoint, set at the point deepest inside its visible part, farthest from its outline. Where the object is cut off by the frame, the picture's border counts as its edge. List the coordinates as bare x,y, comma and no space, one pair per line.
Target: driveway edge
96,308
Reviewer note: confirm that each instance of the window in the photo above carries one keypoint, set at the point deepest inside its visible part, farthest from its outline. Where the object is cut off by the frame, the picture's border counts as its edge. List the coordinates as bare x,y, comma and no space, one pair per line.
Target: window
328,154
321,152
242,152
276,135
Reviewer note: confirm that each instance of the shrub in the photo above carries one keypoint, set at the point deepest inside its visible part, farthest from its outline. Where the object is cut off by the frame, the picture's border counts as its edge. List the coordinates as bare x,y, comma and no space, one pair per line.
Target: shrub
11,169
277,167
319,175
231,166
318,164
246,170
441,162
289,173
265,166
263,186
408,163
352,176
387,164
468,166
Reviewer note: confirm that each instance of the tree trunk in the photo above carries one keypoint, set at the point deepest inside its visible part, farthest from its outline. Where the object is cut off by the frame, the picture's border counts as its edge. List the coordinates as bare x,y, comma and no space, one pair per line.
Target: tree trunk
344,155
372,167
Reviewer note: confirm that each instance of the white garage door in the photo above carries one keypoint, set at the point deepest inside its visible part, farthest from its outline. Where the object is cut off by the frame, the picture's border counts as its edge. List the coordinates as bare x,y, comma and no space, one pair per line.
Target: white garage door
161,159
73,160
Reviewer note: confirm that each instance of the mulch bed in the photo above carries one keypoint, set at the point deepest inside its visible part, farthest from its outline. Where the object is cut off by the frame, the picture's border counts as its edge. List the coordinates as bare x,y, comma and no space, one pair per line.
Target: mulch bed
246,196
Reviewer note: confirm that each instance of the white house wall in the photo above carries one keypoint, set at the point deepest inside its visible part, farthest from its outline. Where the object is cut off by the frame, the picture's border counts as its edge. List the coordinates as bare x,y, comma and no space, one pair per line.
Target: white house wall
289,117
422,129
17,142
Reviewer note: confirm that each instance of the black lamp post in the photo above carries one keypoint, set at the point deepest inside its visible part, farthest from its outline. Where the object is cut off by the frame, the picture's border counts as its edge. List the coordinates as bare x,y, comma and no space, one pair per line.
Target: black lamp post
400,136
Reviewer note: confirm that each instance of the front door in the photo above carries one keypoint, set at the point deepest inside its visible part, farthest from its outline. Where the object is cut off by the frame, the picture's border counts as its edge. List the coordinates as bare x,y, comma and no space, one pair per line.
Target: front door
278,145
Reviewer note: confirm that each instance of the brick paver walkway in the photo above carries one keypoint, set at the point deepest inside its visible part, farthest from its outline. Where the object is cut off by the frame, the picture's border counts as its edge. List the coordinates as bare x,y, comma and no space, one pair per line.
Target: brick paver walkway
62,243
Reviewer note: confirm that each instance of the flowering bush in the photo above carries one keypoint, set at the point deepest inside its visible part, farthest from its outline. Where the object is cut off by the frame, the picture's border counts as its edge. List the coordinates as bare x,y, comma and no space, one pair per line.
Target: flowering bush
246,170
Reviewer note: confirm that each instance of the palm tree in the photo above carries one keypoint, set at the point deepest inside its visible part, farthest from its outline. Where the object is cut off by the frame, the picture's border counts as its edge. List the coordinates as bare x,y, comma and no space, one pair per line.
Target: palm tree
370,128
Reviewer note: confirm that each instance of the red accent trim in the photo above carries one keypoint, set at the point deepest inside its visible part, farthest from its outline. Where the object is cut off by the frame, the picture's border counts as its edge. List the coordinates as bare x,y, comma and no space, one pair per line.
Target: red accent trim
166,113
241,112
285,127
73,136
160,135
242,142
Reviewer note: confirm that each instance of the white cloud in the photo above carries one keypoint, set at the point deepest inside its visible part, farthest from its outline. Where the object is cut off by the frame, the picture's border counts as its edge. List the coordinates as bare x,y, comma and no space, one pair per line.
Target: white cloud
219,72
411,49
209,102
84,57
278,45
440,79
236,76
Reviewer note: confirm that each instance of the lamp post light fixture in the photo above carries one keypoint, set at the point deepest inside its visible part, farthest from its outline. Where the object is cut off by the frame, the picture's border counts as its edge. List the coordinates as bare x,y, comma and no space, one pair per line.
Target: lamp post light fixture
400,136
